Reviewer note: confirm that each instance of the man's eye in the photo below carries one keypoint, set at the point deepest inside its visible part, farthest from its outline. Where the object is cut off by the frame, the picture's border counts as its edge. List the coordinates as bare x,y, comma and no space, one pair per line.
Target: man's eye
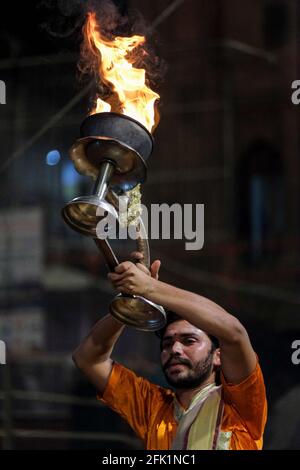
189,340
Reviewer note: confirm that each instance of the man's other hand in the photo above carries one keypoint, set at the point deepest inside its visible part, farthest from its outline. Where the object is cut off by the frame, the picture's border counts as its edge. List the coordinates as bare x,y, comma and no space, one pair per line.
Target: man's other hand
137,257
133,279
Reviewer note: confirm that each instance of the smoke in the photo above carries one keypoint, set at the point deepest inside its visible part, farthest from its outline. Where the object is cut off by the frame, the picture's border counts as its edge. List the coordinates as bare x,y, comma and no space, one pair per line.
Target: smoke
64,17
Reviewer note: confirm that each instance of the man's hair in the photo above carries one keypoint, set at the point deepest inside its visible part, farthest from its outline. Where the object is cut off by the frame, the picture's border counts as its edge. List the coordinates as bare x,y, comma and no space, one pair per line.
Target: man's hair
171,318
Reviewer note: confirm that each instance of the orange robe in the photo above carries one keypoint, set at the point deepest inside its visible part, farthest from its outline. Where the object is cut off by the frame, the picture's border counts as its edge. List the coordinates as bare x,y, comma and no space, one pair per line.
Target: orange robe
149,409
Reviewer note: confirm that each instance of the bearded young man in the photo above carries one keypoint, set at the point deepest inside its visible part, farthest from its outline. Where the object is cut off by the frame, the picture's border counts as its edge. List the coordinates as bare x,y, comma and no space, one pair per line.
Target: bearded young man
202,344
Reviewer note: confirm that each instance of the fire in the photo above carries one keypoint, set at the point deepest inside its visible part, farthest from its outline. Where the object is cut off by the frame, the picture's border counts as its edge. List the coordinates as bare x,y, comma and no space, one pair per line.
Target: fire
115,60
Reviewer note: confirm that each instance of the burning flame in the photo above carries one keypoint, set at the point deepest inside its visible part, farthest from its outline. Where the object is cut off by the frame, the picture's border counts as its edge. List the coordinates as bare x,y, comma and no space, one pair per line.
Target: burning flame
116,70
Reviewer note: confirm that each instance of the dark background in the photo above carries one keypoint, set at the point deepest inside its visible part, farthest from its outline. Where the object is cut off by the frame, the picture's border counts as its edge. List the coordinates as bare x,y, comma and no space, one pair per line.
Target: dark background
228,138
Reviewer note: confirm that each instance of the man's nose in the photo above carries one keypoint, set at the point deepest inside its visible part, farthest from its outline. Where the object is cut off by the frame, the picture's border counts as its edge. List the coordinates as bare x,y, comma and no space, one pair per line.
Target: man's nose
176,347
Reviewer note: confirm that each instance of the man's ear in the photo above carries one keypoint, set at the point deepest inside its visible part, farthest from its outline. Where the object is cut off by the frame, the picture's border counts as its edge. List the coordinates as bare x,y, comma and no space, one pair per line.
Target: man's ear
217,358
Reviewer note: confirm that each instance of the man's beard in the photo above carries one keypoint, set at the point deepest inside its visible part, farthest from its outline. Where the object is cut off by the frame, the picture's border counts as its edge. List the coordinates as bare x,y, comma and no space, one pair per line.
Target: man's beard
195,376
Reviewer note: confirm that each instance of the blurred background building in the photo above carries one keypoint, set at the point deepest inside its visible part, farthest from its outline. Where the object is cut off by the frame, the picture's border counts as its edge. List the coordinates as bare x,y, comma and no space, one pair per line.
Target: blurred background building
228,138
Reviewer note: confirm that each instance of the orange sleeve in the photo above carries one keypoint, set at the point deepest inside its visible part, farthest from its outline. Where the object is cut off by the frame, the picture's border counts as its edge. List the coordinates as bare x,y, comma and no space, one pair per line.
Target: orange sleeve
248,398
132,397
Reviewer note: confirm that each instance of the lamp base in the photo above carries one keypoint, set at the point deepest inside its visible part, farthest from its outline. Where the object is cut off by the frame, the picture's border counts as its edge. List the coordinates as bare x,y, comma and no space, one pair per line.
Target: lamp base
83,214
138,312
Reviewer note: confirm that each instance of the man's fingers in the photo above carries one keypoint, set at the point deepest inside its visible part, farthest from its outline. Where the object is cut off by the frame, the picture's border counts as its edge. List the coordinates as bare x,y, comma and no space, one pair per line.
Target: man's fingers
122,267
114,277
155,267
143,268
119,283
137,256
123,287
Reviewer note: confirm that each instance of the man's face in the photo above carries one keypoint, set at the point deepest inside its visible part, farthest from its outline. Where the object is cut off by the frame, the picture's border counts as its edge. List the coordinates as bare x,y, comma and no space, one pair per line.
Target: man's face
187,358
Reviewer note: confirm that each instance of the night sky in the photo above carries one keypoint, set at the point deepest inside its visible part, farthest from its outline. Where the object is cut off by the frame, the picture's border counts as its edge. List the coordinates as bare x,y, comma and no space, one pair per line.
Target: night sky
37,27
40,27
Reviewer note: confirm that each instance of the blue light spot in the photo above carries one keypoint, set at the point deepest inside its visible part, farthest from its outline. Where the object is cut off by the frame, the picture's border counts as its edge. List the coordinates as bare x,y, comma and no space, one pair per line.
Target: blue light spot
70,177
53,157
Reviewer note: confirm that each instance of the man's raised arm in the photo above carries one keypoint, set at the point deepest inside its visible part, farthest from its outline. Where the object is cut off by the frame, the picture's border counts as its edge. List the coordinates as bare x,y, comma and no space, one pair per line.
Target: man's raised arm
92,356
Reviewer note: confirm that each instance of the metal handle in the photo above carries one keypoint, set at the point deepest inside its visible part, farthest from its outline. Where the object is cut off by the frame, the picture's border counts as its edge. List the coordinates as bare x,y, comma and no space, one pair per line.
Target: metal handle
106,171
142,243
142,240
108,253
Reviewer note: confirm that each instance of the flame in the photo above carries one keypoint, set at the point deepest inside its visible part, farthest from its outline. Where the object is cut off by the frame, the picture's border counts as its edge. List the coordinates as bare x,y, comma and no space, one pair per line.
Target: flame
115,67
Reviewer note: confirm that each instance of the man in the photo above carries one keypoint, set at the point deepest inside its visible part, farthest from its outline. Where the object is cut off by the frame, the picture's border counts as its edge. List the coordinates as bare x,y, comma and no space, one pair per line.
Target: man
200,340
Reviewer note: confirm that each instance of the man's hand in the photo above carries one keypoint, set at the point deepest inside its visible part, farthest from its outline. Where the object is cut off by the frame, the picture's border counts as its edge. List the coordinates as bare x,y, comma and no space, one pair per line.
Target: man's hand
137,257
134,279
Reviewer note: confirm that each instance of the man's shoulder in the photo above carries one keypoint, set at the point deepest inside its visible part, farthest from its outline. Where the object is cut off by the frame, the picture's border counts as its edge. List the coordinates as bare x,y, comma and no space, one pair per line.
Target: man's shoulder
126,374
255,378
246,404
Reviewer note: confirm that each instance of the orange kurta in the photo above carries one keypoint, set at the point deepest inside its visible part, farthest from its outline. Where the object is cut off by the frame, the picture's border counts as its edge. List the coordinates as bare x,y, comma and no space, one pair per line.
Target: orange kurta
148,409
